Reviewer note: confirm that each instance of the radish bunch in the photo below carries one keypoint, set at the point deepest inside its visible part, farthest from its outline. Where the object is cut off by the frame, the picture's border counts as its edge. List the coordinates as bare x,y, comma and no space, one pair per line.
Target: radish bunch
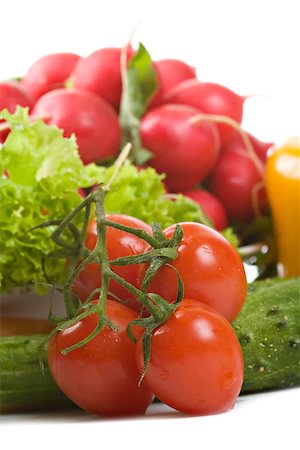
190,128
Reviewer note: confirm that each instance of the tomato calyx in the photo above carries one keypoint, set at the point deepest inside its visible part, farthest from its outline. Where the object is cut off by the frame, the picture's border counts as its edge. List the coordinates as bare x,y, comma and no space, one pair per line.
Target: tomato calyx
71,242
162,311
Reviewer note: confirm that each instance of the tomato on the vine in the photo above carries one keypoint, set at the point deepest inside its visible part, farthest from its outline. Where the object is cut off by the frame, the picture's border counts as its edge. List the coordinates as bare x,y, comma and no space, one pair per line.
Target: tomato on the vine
210,268
196,362
119,243
101,376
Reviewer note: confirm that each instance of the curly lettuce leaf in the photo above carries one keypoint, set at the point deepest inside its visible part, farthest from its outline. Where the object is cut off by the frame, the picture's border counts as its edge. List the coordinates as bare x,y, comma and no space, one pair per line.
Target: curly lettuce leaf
40,173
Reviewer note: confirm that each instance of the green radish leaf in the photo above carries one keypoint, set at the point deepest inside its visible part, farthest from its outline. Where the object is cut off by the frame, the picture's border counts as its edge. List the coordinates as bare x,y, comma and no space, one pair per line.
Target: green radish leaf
139,85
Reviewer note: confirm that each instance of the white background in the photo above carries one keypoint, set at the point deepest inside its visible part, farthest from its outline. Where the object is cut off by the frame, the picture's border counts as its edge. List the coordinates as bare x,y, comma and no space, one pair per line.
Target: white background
251,47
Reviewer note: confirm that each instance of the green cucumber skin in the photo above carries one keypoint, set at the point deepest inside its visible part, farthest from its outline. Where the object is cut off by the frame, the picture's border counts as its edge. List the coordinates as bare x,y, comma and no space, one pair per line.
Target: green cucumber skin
268,329
24,386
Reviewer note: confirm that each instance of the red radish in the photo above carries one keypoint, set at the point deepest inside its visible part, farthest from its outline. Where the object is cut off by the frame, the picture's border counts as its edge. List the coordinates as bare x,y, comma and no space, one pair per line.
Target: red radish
48,73
92,120
186,152
81,192
236,143
100,73
238,184
211,206
169,72
210,98
13,94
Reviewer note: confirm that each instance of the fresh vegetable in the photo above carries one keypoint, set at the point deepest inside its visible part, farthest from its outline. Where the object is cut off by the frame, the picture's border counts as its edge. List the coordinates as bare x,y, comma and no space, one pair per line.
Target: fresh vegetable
71,361
239,185
236,142
26,382
119,244
92,120
283,189
269,333
48,73
100,73
210,268
11,95
196,363
186,152
211,206
169,73
210,98
102,376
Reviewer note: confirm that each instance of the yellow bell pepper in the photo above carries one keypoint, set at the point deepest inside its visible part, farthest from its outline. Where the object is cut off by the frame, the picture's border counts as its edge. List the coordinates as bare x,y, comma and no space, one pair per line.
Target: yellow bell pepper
283,190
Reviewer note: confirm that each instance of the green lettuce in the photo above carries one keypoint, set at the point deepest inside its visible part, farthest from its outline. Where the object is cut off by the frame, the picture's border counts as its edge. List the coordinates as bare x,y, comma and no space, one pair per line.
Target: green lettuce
40,174
44,173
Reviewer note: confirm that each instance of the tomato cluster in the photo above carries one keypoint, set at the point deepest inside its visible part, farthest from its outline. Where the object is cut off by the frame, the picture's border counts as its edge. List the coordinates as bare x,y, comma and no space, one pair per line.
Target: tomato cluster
196,363
82,96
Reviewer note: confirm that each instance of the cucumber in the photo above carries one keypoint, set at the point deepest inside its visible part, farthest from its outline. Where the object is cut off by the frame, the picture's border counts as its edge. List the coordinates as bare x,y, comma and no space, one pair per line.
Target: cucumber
268,329
24,385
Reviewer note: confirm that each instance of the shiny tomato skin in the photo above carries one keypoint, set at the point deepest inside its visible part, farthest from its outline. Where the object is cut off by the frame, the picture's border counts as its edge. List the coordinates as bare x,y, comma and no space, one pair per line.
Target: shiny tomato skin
119,243
100,377
196,363
210,268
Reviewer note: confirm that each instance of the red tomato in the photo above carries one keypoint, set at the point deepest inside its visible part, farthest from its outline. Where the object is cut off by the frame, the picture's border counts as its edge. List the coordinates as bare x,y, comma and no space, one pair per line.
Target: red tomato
196,363
119,243
101,376
210,268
